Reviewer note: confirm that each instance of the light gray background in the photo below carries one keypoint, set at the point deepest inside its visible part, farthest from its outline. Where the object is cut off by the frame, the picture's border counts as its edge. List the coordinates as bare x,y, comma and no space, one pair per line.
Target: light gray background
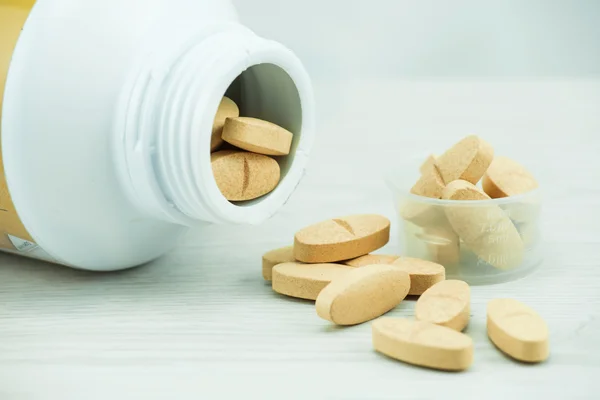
350,39
394,81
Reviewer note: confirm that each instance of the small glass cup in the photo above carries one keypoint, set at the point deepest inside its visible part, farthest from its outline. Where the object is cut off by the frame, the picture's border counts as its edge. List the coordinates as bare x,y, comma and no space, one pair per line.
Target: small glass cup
480,242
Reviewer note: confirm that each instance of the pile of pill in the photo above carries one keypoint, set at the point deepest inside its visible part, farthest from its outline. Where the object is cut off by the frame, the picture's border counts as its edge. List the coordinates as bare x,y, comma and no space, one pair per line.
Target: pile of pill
488,231
331,263
247,170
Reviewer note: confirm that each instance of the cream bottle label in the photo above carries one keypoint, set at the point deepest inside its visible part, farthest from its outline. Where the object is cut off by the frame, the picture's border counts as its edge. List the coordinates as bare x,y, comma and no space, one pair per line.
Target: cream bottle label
13,235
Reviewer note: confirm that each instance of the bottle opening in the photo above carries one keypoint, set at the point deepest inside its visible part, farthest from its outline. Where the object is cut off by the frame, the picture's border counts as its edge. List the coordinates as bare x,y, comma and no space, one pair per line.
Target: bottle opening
267,82
164,133
266,92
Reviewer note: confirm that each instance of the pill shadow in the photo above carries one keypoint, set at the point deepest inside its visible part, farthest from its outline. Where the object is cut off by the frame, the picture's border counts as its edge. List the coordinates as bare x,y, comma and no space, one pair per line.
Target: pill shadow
143,283
477,331
291,299
331,327
22,267
475,328
19,267
514,360
391,361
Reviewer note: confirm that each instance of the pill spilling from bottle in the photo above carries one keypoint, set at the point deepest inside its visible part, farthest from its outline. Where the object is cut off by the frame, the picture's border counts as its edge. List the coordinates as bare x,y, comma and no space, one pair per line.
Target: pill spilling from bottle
472,211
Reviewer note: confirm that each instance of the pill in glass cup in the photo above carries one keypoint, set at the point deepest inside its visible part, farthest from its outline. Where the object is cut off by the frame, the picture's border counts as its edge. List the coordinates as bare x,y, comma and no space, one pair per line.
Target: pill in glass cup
485,228
466,160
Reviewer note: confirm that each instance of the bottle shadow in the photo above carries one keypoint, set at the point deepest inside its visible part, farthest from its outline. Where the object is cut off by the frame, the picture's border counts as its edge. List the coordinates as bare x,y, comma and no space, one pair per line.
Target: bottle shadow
170,278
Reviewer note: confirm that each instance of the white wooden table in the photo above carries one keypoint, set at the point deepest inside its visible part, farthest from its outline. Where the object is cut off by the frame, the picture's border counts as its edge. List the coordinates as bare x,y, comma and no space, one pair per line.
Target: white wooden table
200,323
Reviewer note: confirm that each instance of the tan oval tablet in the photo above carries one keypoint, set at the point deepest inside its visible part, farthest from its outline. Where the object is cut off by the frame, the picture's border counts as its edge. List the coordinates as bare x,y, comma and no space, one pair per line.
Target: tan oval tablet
430,184
422,343
274,257
525,210
463,190
517,330
423,274
443,244
467,160
502,249
258,136
428,163
370,259
466,220
421,214
446,303
506,177
305,281
227,109
530,234
485,229
342,238
242,175
363,294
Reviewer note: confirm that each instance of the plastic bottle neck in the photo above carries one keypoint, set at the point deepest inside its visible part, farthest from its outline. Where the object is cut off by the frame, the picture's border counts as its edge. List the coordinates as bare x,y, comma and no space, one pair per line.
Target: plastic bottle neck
163,146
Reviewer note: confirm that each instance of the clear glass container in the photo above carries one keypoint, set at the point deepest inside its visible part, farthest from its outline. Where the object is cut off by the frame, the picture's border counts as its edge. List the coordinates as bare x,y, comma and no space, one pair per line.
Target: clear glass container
479,242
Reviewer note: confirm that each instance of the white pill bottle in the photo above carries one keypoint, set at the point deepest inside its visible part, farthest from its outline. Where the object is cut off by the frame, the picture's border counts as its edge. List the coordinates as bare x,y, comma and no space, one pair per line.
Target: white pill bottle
106,116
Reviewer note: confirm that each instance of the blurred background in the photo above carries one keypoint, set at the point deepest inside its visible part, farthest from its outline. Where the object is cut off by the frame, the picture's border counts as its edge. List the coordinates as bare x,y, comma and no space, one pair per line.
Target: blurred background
434,38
